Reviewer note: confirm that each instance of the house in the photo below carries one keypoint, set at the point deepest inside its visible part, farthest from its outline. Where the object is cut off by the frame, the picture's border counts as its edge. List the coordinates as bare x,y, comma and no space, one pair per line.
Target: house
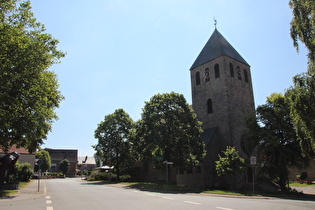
57,155
88,163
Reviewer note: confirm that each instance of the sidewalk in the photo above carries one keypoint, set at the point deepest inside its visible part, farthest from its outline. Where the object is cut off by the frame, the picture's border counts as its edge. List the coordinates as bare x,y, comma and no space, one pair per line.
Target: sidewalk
309,190
29,192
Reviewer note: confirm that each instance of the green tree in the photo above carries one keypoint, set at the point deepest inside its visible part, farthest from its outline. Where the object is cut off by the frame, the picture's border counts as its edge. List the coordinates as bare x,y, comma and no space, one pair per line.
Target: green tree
230,163
300,96
277,142
45,157
64,166
169,131
301,100
303,25
113,140
28,91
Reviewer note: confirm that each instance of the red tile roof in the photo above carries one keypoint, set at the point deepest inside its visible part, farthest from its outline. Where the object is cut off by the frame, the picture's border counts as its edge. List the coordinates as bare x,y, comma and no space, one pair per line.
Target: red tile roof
20,150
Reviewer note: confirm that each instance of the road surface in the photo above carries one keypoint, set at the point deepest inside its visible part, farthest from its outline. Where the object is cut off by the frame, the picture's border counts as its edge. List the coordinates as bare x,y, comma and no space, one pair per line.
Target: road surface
68,194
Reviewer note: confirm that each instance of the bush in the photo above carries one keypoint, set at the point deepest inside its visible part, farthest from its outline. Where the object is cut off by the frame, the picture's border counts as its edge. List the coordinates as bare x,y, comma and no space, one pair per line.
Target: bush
125,178
25,172
53,175
99,176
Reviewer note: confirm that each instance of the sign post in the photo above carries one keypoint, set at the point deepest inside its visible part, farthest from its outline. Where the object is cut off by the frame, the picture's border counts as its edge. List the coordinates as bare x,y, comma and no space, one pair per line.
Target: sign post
253,162
167,163
39,163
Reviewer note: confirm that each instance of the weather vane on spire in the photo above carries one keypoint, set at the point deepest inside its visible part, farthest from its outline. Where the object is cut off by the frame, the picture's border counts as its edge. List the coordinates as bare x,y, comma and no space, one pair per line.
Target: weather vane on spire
215,22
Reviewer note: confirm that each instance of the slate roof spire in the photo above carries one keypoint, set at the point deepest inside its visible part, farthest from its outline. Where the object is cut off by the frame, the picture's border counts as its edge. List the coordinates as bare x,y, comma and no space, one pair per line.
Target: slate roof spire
217,46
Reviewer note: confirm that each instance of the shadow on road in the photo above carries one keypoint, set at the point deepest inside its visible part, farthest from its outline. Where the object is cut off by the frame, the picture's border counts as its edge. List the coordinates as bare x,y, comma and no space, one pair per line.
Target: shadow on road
162,189
182,190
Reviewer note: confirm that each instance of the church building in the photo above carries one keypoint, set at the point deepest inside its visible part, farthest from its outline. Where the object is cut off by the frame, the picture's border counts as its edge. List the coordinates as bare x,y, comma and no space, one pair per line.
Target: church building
222,95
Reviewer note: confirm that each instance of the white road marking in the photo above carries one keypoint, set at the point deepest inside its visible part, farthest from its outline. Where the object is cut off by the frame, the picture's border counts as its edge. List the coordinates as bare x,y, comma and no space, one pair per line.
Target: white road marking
191,202
169,198
150,194
222,208
49,208
47,197
45,191
48,201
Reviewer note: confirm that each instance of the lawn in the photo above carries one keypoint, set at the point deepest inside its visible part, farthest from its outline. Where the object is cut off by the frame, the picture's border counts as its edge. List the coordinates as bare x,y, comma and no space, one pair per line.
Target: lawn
297,184
12,192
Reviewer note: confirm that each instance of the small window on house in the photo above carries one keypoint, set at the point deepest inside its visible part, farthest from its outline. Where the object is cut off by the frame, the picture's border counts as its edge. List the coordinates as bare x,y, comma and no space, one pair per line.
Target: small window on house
239,74
216,71
209,106
207,75
197,78
231,70
245,75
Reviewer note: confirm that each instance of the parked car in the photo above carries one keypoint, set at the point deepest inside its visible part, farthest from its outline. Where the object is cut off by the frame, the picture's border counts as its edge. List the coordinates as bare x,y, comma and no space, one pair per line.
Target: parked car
35,176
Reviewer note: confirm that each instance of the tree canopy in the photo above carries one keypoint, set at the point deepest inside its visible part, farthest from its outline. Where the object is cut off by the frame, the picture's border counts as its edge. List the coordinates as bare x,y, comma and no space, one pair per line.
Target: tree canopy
113,145
28,91
301,100
303,25
300,96
169,131
277,142
64,166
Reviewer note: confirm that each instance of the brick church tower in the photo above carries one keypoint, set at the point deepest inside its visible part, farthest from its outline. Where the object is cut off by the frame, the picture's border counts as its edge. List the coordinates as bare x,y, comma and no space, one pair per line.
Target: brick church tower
222,95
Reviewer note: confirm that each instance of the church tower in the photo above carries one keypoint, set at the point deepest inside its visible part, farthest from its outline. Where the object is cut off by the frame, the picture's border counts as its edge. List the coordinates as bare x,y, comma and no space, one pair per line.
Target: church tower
222,93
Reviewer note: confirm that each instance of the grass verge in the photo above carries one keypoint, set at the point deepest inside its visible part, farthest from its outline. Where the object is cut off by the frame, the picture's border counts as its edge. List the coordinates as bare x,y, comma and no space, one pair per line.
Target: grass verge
4,193
296,184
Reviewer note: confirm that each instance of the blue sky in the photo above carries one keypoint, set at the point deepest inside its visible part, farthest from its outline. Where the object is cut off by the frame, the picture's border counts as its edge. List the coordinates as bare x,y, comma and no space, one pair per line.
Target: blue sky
122,52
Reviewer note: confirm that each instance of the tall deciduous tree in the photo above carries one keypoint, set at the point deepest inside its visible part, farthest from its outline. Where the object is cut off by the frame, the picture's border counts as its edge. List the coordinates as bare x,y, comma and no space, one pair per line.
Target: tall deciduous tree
300,96
303,25
169,131
277,142
28,91
301,99
113,140
45,157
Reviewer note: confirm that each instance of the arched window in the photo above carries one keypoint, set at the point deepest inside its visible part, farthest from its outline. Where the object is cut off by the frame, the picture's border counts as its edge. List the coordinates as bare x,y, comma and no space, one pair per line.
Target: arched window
245,75
207,75
216,71
231,70
239,74
197,78
209,106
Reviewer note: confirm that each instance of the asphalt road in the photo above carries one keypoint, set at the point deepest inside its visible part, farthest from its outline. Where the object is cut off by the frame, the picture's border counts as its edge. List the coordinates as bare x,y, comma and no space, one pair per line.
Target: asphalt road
68,194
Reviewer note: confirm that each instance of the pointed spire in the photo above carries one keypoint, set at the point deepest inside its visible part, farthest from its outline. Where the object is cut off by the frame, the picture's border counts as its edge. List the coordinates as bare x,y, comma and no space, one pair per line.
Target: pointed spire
217,46
215,23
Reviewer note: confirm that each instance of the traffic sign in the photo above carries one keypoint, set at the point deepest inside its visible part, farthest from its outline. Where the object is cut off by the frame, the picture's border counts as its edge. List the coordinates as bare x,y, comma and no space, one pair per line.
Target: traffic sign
253,160
40,162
